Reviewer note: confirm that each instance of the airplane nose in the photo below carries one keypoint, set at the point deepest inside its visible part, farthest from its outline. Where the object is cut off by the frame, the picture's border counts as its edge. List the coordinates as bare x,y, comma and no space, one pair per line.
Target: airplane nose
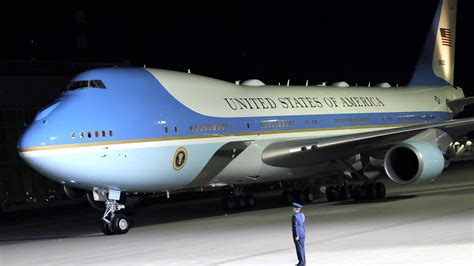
31,137
37,135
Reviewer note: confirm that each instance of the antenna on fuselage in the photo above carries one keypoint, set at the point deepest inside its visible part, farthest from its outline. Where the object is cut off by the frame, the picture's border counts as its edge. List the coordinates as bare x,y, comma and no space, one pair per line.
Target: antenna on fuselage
307,81
288,83
369,83
189,71
144,66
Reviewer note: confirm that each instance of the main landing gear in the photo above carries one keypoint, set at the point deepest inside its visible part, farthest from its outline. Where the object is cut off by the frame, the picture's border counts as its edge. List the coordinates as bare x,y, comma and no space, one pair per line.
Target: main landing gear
305,195
114,221
302,191
370,188
366,191
238,199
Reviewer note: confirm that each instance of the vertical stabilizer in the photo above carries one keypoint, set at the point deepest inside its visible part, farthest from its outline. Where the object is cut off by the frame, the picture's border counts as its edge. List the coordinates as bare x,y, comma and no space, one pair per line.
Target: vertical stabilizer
436,64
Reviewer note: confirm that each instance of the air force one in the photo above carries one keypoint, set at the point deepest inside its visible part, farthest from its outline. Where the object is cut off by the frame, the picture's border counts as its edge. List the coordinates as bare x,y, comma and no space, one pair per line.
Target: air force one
117,132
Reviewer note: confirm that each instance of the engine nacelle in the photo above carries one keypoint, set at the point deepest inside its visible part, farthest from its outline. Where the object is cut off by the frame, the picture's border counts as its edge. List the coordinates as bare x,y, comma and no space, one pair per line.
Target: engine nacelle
413,162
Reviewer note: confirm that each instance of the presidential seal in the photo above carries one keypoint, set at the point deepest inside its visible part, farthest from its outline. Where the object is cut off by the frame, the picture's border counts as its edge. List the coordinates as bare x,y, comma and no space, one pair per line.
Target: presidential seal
179,159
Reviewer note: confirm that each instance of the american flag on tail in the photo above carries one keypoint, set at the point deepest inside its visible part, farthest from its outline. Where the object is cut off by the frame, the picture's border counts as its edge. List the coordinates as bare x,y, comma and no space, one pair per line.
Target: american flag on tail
445,36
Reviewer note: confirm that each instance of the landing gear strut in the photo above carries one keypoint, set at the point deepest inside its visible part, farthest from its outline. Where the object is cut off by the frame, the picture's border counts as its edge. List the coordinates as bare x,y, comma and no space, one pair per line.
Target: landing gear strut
113,221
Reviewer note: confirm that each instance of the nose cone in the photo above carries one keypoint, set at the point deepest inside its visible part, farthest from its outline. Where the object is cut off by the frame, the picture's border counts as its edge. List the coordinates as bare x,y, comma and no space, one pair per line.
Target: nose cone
34,147
33,137
39,133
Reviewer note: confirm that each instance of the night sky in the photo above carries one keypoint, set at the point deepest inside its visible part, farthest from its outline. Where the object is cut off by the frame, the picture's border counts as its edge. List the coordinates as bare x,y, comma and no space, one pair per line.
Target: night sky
356,41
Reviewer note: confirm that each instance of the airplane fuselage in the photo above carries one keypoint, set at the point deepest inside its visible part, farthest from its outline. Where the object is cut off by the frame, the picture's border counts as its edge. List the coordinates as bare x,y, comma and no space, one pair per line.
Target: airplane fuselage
150,130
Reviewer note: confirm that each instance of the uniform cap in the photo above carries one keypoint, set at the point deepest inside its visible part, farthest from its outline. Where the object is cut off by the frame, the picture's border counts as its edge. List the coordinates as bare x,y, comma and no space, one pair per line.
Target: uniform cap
297,205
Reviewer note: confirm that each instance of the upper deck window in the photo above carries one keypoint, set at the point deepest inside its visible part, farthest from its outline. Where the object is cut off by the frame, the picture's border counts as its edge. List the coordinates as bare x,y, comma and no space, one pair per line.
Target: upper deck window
82,84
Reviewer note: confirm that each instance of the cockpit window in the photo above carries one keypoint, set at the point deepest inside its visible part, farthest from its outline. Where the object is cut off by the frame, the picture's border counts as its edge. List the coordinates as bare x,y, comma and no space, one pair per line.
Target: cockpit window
82,84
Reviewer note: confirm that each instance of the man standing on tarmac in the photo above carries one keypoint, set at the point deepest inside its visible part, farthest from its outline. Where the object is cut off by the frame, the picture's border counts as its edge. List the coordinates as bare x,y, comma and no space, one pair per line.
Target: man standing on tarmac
299,232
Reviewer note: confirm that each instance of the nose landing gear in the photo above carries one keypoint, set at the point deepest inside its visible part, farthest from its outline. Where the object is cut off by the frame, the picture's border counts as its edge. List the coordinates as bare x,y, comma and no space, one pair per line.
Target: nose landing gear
114,221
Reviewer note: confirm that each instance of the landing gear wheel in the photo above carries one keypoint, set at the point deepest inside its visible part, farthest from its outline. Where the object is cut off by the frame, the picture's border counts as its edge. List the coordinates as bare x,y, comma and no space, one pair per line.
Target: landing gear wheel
120,224
371,191
298,195
308,195
105,228
380,191
332,194
250,201
358,193
240,202
344,193
228,203
287,197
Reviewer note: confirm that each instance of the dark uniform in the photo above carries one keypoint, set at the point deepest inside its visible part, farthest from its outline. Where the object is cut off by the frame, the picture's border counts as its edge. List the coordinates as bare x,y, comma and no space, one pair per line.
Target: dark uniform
299,231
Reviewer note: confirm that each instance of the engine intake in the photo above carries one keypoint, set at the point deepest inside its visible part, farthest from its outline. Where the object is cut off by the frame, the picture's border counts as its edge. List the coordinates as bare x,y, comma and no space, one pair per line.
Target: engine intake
413,162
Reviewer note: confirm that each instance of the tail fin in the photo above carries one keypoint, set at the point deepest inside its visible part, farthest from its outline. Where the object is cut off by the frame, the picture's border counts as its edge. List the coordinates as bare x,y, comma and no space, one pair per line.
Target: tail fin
436,64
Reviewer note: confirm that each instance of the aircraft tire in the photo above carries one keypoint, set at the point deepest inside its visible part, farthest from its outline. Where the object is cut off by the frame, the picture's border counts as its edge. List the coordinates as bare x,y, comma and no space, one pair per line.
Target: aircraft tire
299,196
332,194
240,202
287,197
228,203
371,191
250,201
343,194
105,228
120,224
308,195
357,193
380,191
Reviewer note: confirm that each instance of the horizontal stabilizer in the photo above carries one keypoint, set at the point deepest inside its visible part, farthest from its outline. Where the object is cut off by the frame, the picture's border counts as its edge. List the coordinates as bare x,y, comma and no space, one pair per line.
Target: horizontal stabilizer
457,106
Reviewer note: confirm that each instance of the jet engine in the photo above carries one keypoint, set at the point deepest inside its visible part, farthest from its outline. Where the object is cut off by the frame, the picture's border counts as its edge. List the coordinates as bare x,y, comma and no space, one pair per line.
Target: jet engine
413,162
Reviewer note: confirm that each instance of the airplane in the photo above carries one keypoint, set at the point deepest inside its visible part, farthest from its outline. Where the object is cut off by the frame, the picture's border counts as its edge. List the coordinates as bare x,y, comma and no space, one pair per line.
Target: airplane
119,132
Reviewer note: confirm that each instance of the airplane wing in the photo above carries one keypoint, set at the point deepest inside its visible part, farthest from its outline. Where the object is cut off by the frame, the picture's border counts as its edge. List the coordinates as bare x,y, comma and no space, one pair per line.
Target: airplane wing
311,151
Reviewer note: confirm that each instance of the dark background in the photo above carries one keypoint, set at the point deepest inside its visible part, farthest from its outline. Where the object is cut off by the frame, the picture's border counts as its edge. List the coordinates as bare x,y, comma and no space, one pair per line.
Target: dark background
356,41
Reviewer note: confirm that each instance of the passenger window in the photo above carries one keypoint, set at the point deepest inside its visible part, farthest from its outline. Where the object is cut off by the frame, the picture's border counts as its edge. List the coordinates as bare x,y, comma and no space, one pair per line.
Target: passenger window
176,129
166,129
73,135
82,135
97,134
103,133
110,133
89,135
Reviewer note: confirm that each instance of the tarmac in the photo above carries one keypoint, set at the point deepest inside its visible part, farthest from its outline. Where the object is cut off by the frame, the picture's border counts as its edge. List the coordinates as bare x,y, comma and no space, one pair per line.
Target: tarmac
430,224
